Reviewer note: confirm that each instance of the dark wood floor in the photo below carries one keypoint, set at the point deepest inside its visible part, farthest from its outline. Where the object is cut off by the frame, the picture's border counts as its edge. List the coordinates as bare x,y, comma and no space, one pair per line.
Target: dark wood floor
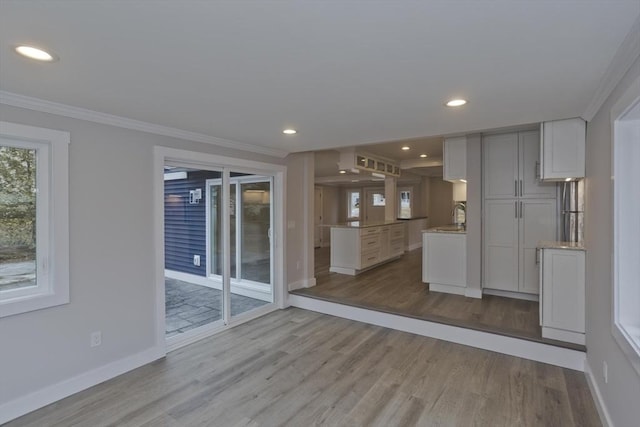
299,368
397,288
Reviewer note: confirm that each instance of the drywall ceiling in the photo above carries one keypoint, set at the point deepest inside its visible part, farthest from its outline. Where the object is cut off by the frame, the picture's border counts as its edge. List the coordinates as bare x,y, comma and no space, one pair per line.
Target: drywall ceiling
341,72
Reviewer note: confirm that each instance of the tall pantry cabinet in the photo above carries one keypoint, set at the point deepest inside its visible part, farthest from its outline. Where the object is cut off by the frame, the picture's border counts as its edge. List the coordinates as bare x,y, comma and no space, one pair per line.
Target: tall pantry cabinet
519,211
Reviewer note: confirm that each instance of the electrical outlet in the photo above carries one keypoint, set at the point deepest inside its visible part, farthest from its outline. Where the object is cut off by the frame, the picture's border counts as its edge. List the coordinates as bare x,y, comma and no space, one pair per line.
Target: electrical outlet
95,339
605,372
196,260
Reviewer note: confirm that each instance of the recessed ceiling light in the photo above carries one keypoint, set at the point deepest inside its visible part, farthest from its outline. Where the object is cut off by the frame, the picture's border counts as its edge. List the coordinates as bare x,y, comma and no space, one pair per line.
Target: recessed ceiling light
463,180
343,171
456,102
35,53
289,131
568,179
423,155
406,147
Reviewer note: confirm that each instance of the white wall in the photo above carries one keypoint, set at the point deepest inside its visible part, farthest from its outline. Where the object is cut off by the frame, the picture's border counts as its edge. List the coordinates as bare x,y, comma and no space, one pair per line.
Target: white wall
112,285
622,393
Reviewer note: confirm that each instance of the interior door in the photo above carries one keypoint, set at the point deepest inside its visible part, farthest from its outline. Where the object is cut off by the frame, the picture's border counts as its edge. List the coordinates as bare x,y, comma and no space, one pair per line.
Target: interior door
375,204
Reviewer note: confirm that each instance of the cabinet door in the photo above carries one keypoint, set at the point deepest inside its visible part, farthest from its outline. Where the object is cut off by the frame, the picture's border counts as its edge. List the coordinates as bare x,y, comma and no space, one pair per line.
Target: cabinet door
529,185
455,158
385,243
537,222
500,166
501,245
563,290
563,149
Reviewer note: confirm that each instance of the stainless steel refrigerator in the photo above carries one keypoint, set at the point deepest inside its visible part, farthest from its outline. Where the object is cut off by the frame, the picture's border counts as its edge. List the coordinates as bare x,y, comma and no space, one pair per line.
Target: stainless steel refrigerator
572,211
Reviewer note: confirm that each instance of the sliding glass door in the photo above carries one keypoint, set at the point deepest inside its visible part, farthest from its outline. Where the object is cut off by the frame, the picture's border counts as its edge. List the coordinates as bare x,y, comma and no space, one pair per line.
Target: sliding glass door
250,243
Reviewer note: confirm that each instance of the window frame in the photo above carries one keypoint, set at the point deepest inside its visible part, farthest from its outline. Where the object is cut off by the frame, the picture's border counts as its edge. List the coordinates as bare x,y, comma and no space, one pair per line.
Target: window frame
52,218
624,210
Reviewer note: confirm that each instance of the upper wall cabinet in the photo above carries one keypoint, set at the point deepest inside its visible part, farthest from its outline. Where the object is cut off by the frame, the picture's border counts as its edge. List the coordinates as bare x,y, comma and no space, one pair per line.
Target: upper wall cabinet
562,149
455,159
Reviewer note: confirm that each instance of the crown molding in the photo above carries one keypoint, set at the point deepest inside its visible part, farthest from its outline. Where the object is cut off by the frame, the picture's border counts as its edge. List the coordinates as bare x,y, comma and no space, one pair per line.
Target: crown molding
625,56
36,104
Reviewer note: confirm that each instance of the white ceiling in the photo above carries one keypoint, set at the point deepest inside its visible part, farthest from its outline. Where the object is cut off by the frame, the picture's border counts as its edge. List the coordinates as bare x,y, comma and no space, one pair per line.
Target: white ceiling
342,72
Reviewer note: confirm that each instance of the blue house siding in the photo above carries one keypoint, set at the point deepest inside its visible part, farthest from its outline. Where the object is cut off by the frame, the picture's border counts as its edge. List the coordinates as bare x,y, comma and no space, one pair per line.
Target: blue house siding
185,223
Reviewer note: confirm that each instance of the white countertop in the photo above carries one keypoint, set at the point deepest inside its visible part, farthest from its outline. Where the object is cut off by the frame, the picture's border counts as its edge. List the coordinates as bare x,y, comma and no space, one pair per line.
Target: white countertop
449,229
551,244
364,224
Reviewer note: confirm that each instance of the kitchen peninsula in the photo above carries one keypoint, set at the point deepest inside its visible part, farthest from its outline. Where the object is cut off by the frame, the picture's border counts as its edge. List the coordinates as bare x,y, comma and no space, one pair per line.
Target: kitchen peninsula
444,259
357,246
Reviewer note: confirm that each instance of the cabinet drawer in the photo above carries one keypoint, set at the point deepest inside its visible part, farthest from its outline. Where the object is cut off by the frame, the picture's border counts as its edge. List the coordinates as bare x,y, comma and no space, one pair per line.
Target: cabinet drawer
369,242
397,247
369,258
369,231
397,232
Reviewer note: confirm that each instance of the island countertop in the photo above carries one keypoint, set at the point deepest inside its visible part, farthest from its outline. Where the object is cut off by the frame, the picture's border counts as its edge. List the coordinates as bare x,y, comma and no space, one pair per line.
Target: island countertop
450,229
549,244
363,224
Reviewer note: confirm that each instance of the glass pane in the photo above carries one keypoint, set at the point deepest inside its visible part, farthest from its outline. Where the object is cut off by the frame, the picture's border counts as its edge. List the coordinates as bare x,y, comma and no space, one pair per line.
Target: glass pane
191,298
378,199
354,204
17,218
405,204
255,229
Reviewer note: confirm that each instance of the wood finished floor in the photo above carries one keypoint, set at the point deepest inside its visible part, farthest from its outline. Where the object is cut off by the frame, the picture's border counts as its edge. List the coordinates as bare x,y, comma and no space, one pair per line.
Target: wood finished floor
300,368
397,288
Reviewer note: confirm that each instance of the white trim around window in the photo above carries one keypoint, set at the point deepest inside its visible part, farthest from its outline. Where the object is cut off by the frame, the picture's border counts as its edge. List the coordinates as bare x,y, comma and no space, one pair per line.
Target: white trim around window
625,128
52,218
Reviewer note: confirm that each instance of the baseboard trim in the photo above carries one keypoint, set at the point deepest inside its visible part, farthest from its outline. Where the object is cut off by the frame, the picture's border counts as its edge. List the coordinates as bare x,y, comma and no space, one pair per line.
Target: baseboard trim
473,293
414,246
601,407
509,294
449,289
50,394
304,283
540,352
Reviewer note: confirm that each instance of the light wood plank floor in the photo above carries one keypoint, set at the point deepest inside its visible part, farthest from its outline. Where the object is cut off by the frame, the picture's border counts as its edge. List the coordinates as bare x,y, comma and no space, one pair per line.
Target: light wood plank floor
397,288
299,368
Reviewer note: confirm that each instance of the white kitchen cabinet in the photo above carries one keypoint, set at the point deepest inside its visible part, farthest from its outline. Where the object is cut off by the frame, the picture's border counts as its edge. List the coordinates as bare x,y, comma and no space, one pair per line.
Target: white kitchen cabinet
562,149
510,163
455,159
357,248
444,262
512,230
563,295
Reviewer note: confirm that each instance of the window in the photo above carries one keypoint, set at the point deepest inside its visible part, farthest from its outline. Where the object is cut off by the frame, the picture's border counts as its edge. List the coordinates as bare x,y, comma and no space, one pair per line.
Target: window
626,239
353,200
378,199
34,226
404,204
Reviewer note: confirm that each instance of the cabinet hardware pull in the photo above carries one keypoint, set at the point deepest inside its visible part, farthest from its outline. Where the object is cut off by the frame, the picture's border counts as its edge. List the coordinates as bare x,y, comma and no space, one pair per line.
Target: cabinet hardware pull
520,188
516,206
521,213
515,191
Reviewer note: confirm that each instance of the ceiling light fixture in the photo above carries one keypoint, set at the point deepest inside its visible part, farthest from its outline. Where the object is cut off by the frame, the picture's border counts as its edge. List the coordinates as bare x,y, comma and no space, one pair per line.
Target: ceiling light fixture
463,180
456,102
35,53
423,155
406,148
289,131
343,171
568,179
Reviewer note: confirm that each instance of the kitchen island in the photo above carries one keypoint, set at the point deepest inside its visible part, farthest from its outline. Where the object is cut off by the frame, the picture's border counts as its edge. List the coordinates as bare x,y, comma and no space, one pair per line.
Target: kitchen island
357,246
